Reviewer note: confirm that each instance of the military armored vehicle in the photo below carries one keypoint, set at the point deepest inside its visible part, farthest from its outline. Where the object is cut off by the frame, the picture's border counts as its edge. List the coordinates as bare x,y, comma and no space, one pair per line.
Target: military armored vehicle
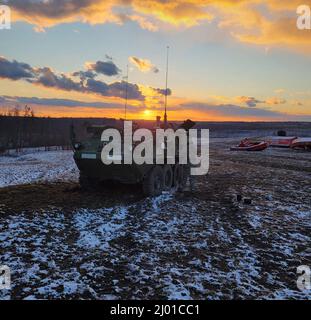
153,178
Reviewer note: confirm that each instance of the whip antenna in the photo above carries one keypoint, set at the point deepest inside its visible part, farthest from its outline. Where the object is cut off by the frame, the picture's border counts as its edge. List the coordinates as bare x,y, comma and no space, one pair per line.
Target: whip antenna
166,89
126,91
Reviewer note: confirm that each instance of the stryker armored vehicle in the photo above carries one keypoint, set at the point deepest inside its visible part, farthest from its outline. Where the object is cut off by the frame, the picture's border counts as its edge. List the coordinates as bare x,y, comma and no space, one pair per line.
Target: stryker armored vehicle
154,178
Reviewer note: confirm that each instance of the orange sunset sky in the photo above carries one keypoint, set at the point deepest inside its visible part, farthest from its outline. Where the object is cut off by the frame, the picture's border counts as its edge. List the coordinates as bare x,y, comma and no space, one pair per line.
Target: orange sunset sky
229,60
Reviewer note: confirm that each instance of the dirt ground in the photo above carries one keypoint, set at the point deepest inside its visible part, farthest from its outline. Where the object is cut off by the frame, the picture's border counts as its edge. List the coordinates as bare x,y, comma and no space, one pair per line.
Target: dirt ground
62,242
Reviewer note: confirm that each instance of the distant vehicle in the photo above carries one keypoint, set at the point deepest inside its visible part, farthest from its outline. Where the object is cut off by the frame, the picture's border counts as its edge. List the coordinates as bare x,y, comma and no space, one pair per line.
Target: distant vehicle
248,145
280,142
301,143
154,178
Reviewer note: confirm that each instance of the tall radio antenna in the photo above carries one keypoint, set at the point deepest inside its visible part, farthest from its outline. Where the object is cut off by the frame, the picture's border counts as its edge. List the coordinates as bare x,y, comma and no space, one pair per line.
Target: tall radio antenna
166,93
126,91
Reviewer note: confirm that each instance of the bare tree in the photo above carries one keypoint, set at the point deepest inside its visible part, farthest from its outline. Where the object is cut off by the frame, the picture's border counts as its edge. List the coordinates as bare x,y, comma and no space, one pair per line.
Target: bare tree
16,111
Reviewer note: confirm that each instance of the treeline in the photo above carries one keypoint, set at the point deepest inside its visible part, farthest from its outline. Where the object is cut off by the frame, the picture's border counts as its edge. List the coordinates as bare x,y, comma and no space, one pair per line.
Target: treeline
20,130
18,112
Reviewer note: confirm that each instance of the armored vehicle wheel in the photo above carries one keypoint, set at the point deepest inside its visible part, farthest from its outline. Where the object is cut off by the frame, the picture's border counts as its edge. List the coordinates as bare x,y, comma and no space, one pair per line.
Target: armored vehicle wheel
88,183
154,182
177,175
168,177
181,176
185,176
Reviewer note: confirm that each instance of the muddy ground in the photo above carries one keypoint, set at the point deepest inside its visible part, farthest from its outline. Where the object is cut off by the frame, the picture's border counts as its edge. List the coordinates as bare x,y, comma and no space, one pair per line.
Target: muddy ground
62,242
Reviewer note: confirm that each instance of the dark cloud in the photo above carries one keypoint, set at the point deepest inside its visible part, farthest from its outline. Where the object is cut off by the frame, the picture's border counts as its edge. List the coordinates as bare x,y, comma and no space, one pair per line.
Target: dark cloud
15,70
83,75
249,101
48,78
85,84
252,102
162,91
49,9
37,103
56,102
133,91
48,13
97,86
107,68
116,89
234,110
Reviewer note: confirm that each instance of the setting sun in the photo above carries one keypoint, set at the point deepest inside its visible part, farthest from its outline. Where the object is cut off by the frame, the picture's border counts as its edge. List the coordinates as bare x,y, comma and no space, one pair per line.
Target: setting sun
148,114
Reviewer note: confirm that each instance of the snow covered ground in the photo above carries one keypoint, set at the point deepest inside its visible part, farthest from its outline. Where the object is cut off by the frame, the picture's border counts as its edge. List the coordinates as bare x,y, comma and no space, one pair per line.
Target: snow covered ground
157,248
33,166
62,243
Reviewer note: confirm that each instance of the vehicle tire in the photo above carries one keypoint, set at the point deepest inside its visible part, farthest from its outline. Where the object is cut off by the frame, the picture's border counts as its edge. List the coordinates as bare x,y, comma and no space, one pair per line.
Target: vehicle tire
181,176
154,182
168,177
87,183
177,175
185,177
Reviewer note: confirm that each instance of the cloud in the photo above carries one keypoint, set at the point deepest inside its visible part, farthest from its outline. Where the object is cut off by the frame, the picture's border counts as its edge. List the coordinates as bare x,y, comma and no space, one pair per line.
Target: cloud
142,21
282,32
275,101
297,103
133,91
270,23
15,70
238,113
163,91
56,102
107,68
116,89
232,110
177,12
221,112
48,78
45,14
252,102
143,65
249,101
49,13
86,82
67,107
83,75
